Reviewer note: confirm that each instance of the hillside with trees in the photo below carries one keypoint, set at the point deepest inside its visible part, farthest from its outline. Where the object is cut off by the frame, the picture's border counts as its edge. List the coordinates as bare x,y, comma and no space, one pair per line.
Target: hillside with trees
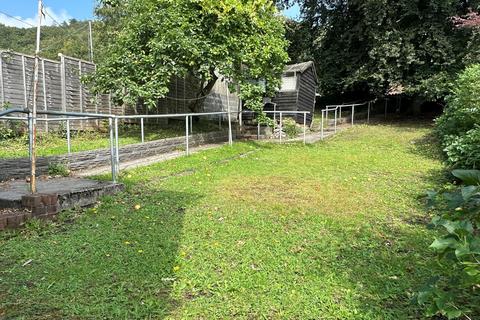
70,38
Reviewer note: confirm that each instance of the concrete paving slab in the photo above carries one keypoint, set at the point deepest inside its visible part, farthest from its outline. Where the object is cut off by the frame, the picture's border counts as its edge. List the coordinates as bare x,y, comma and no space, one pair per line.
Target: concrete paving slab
72,191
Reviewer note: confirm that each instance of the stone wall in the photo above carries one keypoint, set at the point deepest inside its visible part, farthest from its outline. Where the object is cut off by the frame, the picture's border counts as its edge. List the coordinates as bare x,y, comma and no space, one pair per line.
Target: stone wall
20,168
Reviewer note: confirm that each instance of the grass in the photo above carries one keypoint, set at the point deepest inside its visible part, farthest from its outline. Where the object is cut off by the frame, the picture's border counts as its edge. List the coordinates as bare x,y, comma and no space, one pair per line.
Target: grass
56,143
333,230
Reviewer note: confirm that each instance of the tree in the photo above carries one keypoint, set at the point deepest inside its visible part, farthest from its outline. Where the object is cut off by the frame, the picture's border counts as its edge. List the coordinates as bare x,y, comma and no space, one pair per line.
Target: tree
373,45
151,41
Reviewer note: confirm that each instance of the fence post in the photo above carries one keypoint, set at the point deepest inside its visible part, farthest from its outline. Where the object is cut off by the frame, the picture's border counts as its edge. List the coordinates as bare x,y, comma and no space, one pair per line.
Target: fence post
25,98
368,112
353,113
191,125
80,89
30,135
258,130
340,113
142,130
2,88
186,135
305,128
281,126
117,153
112,152
45,103
63,82
69,146
229,116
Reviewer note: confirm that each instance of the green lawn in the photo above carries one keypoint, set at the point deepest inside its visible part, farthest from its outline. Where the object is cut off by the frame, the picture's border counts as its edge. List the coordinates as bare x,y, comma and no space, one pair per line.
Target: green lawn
56,143
333,230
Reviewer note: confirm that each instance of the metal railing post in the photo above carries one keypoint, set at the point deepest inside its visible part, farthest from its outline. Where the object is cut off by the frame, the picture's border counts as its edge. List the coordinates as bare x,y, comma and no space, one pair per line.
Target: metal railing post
281,126
230,137
187,151
305,128
335,123
142,131
112,151
321,124
340,115
117,153
353,113
69,145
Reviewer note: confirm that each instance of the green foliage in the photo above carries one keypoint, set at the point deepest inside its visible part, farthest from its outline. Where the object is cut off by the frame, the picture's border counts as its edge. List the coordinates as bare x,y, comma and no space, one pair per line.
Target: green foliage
71,38
372,45
12,129
58,169
290,128
459,126
456,293
151,41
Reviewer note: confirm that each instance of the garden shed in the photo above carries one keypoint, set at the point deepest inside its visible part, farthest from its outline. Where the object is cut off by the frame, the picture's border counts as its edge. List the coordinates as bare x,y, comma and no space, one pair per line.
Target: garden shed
298,90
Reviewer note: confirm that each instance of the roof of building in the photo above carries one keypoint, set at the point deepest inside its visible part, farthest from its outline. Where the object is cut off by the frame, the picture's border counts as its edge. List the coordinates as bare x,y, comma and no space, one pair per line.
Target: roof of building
298,67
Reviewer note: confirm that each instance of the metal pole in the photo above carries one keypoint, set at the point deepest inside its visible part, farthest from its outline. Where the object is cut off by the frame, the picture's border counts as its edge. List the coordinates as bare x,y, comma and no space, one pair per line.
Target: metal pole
368,112
142,130
186,136
69,146
304,128
335,123
112,152
117,154
353,113
90,39
321,124
230,138
281,127
340,116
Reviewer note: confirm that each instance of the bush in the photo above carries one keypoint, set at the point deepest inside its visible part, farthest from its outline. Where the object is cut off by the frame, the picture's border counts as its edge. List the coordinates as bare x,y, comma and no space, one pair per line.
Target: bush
290,128
457,293
58,169
464,150
458,126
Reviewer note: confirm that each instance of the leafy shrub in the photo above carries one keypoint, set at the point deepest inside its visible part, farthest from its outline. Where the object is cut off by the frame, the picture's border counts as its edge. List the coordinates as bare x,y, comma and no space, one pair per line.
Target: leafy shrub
290,128
58,169
457,293
461,118
464,150
12,129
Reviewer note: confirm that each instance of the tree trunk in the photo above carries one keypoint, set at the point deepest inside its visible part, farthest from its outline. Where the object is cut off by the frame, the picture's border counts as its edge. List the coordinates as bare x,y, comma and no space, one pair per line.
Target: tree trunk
196,105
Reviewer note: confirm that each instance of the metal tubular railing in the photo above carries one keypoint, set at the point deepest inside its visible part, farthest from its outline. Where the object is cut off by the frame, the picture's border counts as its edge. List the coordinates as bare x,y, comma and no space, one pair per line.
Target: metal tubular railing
338,114
114,132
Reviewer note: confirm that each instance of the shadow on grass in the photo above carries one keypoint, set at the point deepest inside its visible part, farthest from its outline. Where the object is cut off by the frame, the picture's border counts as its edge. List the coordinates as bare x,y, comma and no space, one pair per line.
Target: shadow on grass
116,261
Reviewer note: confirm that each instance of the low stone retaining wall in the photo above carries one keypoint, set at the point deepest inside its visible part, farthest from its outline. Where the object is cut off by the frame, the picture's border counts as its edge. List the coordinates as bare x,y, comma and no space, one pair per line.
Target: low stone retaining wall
20,168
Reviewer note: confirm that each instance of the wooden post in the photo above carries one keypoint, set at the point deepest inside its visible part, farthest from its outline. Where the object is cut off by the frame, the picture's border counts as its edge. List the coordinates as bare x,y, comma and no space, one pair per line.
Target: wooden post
2,88
45,102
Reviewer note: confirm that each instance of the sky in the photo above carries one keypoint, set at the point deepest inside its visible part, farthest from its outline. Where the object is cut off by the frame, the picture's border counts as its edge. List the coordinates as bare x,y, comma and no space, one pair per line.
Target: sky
24,12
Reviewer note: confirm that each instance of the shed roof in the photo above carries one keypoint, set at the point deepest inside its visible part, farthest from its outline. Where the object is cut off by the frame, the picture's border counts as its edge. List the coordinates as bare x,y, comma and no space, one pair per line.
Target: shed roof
298,67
